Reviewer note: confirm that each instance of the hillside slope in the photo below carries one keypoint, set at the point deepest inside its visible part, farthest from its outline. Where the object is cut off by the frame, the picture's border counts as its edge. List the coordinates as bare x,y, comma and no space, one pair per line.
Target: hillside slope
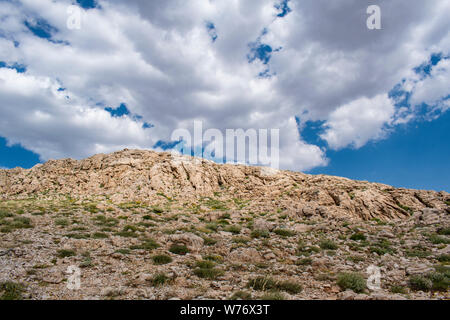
134,175
145,225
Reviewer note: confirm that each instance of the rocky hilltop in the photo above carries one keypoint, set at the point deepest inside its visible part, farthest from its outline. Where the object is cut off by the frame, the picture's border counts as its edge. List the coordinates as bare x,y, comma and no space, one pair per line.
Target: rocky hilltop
135,175
146,225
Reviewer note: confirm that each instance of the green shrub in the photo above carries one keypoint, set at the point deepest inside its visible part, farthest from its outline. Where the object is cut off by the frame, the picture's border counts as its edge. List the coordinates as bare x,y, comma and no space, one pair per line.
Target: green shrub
382,247
5,214
289,287
267,283
179,249
208,273
205,264
242,240
127,234
284,232
398,289
436,239
241,295
159,280
22,222
355,259
87,260
148,244
92,208
123,251
64,253
358,236
214,258
100,235
11,291
209,241
353,281
418,251
262,283
161,259
444,258
273,296
444,231
420,283
235,229
106,222
157,210
328,245
259,234
62,222
406,208
215,204
440,281
305,250
304,262
212,226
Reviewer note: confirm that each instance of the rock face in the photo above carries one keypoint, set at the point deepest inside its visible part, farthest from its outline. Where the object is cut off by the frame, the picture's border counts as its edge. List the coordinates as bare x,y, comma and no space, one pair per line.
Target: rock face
136,175
146,225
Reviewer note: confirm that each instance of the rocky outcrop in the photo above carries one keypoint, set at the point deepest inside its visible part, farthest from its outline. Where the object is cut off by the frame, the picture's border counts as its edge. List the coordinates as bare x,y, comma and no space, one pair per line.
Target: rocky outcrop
136,175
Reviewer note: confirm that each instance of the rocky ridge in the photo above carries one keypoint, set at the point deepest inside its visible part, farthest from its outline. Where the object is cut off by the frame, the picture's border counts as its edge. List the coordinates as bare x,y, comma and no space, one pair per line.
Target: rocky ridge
135,175
145,225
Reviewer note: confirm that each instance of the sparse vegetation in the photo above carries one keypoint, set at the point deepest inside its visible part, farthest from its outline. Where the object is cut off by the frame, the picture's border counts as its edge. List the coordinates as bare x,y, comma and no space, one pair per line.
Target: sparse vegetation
179,249
11,291
284,232
358,236
64,253
159,279
382,247
437,239
208,273
306,250
328,245
243,238
399,289
267,283
273,295
304,262
420,283
241,295
259,234
147,244
353,281
161,259
235,229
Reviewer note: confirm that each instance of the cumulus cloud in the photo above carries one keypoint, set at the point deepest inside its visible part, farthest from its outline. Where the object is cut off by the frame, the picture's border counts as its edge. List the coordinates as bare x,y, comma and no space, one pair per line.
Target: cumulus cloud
48,122
358,122
434,90
266,64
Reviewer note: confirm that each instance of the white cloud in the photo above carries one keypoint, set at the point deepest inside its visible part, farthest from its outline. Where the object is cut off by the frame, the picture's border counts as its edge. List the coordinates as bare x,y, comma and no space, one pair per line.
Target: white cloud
159,59
433,89
356,123
38,116
296,154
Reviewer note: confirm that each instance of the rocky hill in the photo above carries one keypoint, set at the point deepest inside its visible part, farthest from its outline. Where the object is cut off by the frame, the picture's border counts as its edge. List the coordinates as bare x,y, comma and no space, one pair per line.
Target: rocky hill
146,225
134,175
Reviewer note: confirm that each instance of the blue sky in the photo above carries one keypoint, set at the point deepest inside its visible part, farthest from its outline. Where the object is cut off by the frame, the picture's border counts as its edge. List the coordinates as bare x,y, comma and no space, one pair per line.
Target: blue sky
363,104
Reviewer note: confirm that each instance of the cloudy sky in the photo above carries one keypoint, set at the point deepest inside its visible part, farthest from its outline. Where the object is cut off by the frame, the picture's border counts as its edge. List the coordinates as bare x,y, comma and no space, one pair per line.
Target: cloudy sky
349,101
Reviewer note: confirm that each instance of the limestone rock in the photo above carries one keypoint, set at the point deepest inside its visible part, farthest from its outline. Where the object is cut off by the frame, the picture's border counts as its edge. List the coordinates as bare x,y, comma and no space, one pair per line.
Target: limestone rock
192,242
